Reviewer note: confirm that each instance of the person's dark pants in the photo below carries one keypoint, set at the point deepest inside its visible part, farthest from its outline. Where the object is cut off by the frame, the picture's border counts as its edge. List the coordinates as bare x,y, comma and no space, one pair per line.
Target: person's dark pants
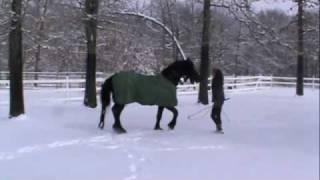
216,116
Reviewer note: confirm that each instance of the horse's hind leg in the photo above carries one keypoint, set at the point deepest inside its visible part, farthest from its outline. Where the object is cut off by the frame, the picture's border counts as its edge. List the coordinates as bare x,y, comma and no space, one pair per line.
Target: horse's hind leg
103,111
159,115
117,109
172,124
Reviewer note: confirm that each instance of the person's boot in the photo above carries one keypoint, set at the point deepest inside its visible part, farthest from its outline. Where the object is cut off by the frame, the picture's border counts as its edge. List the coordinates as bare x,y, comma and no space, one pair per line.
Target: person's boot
219,128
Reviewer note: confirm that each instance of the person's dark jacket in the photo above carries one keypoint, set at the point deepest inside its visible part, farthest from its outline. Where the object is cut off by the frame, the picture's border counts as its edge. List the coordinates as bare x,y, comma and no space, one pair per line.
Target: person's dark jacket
217,88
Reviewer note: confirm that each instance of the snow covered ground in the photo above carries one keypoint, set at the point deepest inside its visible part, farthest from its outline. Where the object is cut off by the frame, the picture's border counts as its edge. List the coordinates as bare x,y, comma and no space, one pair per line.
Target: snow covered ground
269,135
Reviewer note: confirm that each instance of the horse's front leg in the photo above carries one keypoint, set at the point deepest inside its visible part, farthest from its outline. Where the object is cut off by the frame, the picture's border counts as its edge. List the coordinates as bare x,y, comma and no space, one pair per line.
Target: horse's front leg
159,115
172,124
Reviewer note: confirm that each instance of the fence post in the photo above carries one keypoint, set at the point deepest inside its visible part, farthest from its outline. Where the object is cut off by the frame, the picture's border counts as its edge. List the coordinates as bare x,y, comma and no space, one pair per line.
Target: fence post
258,82
271,81
313,81
67,87
197,87
234,81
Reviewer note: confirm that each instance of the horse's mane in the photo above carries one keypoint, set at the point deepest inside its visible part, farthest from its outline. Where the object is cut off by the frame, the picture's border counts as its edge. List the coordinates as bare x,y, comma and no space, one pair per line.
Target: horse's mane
173,72
170,68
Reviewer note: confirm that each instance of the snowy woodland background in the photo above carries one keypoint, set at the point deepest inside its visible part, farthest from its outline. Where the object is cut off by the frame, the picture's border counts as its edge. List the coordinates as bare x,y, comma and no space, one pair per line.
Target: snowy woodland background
244,40
271,132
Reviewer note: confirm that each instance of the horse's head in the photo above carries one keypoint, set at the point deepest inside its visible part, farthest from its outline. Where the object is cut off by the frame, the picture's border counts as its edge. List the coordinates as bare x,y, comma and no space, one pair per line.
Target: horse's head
181,69
189,72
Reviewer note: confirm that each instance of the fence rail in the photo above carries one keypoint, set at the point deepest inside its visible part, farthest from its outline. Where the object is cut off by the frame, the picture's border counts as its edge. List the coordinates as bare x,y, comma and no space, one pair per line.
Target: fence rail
75,82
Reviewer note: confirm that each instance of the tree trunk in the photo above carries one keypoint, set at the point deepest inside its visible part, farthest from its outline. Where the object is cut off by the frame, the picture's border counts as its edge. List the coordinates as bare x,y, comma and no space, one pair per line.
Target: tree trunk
299,87
236,59
36,65
205,45
42,12
91,9
317,73
163,36
15,61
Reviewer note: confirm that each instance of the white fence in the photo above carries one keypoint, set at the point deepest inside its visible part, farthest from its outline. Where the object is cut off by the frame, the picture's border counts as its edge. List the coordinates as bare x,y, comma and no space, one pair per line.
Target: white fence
68,82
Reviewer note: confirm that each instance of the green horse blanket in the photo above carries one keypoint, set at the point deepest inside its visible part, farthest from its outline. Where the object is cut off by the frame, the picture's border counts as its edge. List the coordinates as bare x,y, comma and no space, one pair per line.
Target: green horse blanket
129,87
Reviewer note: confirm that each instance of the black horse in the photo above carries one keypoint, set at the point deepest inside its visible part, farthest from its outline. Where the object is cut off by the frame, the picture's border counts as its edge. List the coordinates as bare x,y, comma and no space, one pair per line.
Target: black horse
160,90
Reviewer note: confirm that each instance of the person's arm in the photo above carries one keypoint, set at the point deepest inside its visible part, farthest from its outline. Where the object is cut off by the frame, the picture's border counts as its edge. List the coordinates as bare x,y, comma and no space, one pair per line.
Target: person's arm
212,91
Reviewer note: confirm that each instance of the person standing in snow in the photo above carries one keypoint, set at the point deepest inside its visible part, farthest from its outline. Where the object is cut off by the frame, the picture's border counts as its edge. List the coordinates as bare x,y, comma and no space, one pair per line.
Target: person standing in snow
218,97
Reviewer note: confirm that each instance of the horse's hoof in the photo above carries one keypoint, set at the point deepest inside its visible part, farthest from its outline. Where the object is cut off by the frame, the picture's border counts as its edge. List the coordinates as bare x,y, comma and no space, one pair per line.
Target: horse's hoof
171,126
101,126
119,130
158,128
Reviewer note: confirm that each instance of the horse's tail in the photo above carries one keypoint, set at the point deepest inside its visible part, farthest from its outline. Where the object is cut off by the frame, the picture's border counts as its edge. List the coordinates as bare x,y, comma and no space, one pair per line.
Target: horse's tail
105,94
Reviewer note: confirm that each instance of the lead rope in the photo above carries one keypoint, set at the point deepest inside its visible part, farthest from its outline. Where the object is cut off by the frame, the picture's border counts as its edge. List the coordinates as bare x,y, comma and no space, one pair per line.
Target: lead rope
204,112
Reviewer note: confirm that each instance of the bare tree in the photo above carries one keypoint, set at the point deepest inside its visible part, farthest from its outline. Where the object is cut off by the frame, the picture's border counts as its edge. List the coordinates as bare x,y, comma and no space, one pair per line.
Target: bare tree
267,44
299,87
15,61
91,10
164,27
42,12
4,29
205,45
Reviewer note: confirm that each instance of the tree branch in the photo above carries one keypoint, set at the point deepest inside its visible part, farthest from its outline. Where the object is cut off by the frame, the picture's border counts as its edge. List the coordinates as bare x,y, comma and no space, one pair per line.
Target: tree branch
145,17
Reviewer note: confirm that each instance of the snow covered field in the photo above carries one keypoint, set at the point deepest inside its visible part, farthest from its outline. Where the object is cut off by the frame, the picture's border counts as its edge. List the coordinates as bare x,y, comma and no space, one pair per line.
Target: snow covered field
269,135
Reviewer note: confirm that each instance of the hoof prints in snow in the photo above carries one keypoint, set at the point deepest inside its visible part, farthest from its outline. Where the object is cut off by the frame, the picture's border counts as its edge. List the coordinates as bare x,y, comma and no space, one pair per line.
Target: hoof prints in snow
103,142
57,144
129,145
131,177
